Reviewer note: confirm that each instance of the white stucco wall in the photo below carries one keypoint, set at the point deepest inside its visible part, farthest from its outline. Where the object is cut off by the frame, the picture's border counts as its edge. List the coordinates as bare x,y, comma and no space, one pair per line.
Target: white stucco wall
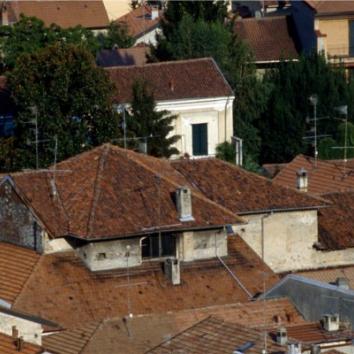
216,112
149,37
288,241
111,254
202,245
30,331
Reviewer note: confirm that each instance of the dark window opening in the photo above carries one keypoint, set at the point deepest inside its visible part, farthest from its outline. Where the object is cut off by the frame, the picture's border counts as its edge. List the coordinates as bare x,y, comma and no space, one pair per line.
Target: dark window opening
200,139
159,245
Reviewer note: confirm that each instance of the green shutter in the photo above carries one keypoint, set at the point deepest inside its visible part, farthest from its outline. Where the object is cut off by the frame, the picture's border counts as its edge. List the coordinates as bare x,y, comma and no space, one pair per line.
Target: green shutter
200,139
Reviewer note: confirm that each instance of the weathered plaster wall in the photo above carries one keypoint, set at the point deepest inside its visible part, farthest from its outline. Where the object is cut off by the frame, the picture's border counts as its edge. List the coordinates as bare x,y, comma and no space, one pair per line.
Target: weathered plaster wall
217,113
111,254
30,331
17,223
202,245
288,241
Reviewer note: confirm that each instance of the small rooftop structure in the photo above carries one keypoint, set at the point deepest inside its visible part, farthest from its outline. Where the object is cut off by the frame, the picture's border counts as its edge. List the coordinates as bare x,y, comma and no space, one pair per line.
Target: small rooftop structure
141,20
325,176
269,38
314,299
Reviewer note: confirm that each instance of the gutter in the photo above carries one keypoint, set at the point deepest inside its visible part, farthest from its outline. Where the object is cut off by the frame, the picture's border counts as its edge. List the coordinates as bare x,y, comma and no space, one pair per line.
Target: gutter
280,210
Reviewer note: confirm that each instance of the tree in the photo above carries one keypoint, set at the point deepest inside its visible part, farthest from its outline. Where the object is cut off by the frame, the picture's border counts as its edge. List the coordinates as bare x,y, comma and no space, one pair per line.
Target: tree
29,34
117,35
60,87
283,124
145,122
226,151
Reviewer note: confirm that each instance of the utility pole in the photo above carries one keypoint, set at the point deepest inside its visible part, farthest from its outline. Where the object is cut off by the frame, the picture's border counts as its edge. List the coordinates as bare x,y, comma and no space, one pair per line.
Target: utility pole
34,111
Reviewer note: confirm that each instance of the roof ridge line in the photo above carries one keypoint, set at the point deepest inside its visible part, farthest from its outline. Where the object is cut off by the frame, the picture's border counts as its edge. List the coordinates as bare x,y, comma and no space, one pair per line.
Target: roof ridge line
24,285
193,190
97,189
99,324
175,62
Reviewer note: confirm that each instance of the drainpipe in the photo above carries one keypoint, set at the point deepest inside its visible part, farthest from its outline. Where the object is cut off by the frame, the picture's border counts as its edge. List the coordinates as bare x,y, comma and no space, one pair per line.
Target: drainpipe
225,118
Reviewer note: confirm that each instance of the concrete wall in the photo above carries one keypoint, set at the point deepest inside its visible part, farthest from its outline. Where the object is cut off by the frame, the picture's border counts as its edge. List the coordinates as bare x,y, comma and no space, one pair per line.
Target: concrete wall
30,331
217,113
202,245
106,255
288,241
17,224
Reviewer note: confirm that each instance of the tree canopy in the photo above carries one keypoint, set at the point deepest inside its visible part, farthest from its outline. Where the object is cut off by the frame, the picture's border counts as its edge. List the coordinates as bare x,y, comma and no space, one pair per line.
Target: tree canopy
150,126
60,87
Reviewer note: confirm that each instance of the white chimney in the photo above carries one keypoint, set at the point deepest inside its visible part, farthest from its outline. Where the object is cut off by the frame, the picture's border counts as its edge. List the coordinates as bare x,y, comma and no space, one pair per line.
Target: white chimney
154,13
184,204
282,336
330,322
294,348
302,180
172,270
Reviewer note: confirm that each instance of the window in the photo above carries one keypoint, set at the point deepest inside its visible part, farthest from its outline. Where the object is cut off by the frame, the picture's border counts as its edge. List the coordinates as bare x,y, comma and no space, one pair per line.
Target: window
159,245
200,139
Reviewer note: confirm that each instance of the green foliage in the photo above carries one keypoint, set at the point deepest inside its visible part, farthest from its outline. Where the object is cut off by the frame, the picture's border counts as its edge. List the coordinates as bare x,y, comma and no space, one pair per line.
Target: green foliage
145,121
326,145
226,151
117,35
73,100
283,124
29,35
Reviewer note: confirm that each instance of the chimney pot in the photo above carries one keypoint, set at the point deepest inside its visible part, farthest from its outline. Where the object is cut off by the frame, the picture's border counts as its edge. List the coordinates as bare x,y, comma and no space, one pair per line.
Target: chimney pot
154,13
302,180
342,283
282,336
184,204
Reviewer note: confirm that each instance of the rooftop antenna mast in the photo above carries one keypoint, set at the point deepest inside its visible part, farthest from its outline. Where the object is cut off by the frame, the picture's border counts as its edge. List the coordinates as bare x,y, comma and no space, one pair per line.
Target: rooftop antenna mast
344,110
314,101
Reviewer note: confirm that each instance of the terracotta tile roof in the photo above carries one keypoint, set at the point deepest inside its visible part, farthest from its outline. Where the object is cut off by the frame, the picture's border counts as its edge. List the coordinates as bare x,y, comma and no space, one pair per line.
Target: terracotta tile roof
330,275
328,176
8,346
313,333
66,13
238,190
328,7
16,265
269,38
139,21
183,79
147,331
71,341
104,193
213,335
336,224
63,290
123,56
